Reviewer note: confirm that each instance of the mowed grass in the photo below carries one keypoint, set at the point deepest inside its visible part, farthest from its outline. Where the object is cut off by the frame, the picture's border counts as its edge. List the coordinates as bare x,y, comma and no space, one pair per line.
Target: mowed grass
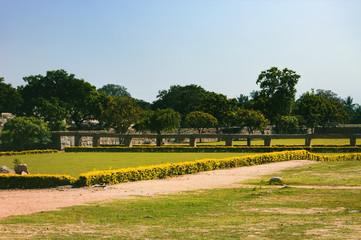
77,163
240,213
320,174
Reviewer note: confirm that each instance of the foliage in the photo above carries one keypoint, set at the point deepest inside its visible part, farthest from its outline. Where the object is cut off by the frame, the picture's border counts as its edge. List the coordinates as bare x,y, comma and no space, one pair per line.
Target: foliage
17,162
10,98
252,120
9,181
287,125
120,113
182,99
243,101
277,94
27,152
356,116
219,106
169,170
317,110
200,120
144,104
23,133
160,120
114,90
59,95
353,109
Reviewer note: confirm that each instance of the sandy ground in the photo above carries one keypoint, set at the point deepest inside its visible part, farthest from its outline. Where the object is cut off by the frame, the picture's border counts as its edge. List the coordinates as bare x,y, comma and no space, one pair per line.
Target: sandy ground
19,202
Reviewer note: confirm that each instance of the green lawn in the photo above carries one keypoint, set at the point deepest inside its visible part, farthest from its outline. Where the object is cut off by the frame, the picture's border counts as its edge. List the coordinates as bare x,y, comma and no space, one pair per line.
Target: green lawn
76,163
325,173
240,213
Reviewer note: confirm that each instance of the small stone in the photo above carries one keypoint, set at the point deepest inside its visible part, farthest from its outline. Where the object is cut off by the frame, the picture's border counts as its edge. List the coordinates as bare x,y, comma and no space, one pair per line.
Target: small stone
353,211
99,186
5,169
275,180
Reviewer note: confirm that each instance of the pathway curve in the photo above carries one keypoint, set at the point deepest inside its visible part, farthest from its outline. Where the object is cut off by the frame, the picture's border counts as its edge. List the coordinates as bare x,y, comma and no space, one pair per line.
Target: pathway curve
19,202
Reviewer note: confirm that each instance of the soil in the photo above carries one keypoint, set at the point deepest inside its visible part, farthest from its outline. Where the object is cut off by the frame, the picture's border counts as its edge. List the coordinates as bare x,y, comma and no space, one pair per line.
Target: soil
20,202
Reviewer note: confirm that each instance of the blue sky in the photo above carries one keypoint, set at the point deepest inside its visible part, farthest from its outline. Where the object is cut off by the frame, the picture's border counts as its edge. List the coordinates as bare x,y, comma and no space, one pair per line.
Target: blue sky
148,45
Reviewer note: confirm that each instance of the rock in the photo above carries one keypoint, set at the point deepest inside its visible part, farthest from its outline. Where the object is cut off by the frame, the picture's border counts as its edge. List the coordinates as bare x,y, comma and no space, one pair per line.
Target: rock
21,168
5,169
275,180
23,173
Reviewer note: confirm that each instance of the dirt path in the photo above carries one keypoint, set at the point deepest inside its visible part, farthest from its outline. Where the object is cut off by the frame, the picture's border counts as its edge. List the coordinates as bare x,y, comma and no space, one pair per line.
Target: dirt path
19,202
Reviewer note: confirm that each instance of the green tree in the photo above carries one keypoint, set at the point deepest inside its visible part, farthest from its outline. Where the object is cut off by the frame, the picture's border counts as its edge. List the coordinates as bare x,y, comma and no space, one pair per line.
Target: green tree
356,116
10,98
114,90
316,110
287,124
120,113
63,93
219,106
277,95
200,120
182,99
243,101
160,121
251,119
24,133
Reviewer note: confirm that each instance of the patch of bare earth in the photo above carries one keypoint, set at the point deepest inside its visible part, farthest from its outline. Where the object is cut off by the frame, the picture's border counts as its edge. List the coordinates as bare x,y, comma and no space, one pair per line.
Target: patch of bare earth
20,202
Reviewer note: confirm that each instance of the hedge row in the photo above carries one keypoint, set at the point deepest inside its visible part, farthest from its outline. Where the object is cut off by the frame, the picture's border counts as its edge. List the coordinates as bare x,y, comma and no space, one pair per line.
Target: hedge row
162,171
314,149
11,153
8,181
169,170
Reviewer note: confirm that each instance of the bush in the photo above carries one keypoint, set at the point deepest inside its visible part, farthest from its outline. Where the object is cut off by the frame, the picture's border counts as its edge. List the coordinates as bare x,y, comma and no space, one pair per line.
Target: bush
10,153
8,181
169,170
24,133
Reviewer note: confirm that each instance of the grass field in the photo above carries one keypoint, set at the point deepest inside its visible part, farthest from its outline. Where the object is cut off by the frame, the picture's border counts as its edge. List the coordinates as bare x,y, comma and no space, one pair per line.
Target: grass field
76,163
241,213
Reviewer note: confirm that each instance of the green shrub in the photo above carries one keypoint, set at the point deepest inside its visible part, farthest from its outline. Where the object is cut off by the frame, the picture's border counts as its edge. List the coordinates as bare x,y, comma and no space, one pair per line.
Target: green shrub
11,153
24,133
169,170
8,181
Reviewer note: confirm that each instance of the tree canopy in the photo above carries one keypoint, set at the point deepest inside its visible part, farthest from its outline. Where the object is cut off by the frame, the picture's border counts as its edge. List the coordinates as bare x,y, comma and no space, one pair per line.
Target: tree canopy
316,110
120,113
59,95
160,120
10,99
182,99
277,94
114,90
200,120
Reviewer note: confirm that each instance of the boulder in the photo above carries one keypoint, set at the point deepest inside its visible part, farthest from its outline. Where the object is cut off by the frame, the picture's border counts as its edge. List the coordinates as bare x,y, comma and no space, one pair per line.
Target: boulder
5,169
21,168
275,180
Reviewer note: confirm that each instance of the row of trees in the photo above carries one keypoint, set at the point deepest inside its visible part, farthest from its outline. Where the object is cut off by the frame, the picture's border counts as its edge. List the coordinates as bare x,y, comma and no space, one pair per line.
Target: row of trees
60,99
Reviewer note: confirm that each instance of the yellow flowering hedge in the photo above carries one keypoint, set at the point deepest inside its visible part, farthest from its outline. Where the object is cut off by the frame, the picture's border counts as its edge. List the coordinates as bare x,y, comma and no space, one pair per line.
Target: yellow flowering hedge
162,171
11,153
8,181
175,169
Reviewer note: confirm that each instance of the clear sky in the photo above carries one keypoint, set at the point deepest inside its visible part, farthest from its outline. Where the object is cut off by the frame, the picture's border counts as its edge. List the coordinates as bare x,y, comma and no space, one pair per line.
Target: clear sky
148,45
